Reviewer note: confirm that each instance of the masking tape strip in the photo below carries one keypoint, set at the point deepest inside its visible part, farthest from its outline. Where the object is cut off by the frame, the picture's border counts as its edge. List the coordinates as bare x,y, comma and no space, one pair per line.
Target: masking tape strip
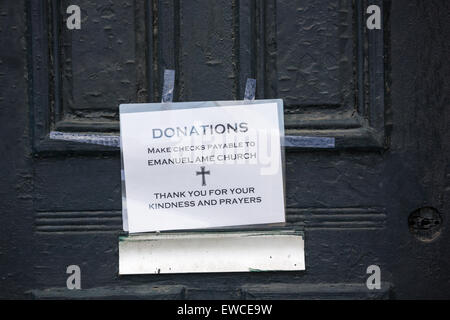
250,89
114,141
169,86
104,140
309,142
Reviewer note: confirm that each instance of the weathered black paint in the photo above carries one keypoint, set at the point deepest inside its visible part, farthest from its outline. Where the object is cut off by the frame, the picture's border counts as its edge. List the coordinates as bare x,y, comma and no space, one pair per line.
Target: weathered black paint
384,95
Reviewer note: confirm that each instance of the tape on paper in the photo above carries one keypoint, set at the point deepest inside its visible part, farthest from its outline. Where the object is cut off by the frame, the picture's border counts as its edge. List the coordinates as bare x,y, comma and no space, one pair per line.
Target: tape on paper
104,140
250,89
168,86
309,142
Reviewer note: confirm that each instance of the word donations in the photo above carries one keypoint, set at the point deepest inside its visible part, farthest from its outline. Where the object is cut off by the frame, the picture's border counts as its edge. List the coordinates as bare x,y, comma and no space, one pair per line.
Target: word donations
203,129
202,165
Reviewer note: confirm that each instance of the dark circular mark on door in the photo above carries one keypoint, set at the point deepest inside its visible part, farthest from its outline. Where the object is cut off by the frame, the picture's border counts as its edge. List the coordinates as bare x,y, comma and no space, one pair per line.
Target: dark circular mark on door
425,224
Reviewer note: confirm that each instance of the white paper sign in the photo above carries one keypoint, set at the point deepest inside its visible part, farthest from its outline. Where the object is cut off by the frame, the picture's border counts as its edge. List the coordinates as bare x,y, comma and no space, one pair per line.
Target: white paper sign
200,165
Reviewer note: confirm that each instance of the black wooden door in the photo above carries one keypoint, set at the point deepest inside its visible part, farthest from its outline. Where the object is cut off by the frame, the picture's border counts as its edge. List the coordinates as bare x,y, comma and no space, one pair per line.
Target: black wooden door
379,198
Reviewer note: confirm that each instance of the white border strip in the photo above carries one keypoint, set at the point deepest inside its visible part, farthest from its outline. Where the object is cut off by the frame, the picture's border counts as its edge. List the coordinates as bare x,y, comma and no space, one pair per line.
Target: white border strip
211,252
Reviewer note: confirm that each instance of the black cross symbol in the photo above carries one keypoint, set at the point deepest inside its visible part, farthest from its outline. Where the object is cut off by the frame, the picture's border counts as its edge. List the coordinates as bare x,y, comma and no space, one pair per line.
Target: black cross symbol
202,172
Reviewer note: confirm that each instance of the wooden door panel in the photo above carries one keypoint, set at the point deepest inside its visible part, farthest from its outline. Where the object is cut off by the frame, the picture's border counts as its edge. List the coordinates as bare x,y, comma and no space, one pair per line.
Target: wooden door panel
382,94
334,77
105,54
77,184
318,57
331,78
315,53
207,46
80,77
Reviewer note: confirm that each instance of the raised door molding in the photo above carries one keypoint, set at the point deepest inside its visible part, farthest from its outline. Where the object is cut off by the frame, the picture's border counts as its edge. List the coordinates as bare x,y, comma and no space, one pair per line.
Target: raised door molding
320,59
